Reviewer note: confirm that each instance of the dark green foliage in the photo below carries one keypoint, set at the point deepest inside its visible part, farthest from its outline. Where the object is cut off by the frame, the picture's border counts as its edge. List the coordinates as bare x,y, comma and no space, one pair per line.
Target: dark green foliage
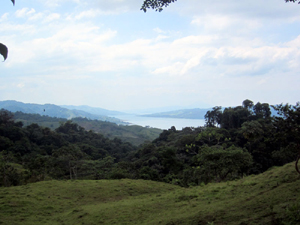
213,117
217,163
249,141
60,154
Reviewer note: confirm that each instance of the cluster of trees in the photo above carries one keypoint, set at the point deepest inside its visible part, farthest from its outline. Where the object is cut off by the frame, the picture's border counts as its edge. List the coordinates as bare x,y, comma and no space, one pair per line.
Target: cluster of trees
235,117
35,153
235,142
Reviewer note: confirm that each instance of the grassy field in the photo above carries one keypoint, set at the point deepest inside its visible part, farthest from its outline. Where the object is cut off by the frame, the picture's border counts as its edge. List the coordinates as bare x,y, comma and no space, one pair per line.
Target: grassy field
270,198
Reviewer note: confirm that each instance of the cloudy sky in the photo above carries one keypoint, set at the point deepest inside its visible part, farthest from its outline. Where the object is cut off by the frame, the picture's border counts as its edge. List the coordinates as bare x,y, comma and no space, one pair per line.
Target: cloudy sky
110,54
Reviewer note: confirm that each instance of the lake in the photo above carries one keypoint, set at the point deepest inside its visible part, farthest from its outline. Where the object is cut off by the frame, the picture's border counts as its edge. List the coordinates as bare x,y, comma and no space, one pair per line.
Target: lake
162,123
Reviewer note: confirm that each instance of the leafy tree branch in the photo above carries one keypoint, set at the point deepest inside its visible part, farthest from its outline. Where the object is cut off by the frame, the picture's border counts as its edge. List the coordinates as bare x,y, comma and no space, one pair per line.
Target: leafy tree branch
3,48
156,4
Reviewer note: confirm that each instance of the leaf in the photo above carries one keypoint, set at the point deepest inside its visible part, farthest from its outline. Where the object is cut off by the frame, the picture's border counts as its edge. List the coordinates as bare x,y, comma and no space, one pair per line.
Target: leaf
13,1
3,51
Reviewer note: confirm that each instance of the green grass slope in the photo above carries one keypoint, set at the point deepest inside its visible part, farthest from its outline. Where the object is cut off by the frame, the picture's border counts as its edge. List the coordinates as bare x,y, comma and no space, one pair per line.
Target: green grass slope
270,198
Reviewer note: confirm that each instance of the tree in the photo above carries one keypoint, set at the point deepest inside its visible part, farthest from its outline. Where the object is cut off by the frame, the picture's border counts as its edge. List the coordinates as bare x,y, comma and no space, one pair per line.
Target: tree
213,117
293,1
69,157
248,104
262,110
216,163
233,118
3,48
155,4
3,51
6,118
212,136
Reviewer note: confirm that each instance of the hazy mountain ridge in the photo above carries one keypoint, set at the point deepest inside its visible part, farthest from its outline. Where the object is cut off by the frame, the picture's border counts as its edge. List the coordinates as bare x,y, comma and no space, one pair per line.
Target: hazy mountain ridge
93,110
53,111
196,113
96,113
183,114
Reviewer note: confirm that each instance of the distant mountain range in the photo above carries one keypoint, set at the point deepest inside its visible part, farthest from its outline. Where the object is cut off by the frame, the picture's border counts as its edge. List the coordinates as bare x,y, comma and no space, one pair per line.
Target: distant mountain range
181,114
61,112
71,111
190,113
93,110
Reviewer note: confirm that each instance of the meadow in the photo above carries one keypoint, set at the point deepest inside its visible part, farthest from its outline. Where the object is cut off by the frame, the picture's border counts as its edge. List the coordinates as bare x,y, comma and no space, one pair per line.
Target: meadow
272,197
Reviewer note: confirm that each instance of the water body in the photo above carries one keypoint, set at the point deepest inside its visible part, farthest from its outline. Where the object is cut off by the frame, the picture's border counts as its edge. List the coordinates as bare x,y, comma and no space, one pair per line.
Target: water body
162,123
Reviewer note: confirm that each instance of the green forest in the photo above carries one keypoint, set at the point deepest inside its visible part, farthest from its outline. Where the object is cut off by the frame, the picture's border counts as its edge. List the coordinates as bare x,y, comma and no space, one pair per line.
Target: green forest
235,142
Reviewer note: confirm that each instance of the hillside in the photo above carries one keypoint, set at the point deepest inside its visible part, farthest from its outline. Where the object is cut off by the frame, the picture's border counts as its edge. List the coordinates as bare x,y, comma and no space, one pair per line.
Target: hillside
135,135
53,111
269,198
94,110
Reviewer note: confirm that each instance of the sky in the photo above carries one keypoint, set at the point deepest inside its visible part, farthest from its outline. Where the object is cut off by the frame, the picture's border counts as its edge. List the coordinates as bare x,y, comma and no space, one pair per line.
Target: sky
112,55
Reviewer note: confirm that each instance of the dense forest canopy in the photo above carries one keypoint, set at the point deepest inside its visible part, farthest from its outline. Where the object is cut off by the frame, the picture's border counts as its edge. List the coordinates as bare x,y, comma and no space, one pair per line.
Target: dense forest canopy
236,141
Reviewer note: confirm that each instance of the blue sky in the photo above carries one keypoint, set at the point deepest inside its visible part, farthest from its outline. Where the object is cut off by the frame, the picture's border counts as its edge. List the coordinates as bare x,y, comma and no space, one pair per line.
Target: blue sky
109,54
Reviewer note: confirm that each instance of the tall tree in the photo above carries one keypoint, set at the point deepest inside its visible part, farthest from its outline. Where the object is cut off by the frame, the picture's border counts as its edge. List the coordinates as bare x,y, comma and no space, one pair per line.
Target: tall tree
248,104
213,117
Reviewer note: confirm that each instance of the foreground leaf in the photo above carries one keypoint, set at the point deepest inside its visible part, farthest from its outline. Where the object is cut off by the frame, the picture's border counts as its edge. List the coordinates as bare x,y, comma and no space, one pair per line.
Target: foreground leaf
13,1
3,51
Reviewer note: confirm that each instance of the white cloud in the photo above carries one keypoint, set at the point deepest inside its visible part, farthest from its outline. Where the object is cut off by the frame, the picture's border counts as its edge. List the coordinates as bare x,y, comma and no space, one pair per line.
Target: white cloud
52,17
4,17
87,14
222,52
24,12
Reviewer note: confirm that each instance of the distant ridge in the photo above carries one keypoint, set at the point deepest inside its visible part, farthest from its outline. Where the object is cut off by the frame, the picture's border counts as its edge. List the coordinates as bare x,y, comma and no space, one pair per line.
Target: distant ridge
94,110
195,113
53,111
181,114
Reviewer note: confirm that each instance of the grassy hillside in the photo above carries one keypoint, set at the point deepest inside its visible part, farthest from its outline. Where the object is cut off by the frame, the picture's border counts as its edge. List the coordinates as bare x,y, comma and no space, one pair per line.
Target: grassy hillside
268,198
